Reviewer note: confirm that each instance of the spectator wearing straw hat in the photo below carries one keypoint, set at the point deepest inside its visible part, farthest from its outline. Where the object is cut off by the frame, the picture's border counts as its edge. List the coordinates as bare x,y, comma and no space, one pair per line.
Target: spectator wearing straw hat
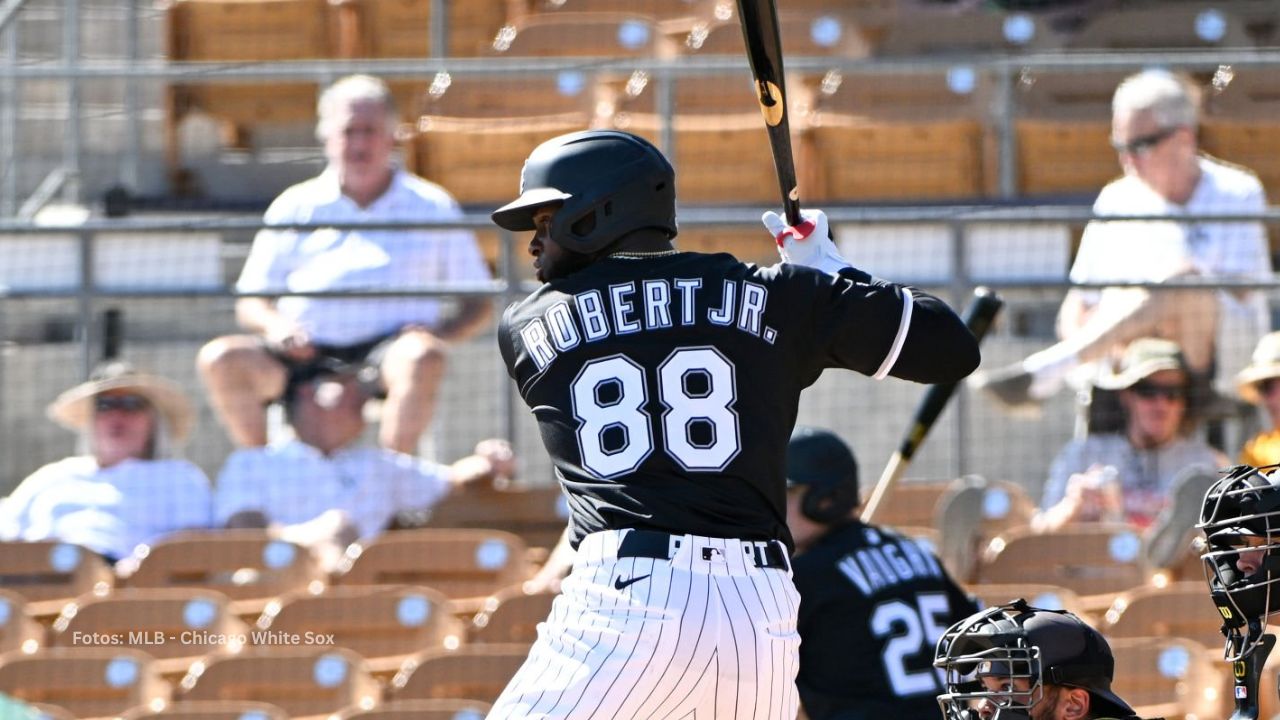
1259,384
1129,475
124,489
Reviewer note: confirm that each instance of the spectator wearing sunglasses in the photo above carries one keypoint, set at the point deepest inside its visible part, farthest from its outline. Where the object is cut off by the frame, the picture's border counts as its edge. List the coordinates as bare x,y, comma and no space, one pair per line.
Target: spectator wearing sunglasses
1259,384
124,488
1154,125
1129,476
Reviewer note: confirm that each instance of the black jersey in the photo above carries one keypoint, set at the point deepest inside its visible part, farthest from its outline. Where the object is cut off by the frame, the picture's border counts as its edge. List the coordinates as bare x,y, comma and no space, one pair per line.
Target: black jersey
872,607
666,388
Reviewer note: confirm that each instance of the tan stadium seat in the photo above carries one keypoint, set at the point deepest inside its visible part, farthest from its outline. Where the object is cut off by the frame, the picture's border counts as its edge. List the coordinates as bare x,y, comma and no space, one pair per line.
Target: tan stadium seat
248,566
1088,559
1049,597
660,10
18,629
538,515
466,565
442,709
511,616
1163,26
86,681
233,31
472,672
1253,143
1170,678
1064,156
568,34
479,159
48,574
1180,610
403,28
176,626
972,512
510,96
301,679
816,33
943,32
744,244
384,624
210,710
912,503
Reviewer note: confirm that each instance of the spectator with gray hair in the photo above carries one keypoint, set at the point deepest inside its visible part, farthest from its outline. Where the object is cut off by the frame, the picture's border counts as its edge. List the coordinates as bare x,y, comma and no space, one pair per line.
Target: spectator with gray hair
1153,129
404,339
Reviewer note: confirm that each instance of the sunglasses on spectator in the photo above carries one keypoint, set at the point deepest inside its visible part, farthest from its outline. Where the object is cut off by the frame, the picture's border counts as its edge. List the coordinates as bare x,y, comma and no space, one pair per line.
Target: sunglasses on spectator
123,403
1148,391
1265,387
1144,144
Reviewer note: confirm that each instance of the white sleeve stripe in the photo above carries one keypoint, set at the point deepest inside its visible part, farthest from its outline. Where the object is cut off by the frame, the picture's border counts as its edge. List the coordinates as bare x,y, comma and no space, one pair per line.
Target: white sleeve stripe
903,325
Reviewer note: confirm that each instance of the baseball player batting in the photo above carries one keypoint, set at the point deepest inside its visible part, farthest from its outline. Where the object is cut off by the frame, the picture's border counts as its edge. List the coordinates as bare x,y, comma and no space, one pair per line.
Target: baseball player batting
665,385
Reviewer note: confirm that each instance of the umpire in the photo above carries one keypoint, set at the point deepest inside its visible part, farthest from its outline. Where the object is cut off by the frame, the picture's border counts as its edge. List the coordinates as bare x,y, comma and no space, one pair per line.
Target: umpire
873,603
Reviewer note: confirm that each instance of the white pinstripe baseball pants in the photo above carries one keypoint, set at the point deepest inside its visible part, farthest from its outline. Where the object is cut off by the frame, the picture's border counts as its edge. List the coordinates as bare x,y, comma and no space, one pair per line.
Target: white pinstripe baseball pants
706,634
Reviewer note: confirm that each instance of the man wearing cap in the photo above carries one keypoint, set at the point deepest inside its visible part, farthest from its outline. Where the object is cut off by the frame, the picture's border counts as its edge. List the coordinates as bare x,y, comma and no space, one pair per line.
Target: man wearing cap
1018,662
872,602
125,490
1128,475
1258,384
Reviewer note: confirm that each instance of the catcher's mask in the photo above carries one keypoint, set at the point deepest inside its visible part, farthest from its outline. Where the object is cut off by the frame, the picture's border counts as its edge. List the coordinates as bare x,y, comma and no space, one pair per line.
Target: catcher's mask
1003,657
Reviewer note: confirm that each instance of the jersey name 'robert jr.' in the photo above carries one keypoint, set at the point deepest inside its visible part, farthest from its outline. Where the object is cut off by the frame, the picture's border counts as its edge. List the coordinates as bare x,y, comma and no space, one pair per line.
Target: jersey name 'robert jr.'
624,309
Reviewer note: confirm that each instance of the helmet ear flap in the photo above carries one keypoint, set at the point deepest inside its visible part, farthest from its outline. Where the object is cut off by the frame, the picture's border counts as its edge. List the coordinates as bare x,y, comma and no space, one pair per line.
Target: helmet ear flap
829,504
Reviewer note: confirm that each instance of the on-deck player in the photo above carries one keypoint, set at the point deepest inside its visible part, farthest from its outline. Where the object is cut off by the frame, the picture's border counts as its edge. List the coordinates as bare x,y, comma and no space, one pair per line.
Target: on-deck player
666,385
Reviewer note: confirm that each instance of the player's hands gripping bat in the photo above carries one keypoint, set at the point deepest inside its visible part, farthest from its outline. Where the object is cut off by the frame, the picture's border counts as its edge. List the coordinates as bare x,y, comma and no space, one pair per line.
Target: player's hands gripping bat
978,318
764,51
808,243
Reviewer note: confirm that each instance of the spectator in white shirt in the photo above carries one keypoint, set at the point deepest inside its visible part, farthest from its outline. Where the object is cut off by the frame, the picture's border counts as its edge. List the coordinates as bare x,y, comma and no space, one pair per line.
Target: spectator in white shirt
1154,126
125,489
327,469
404,338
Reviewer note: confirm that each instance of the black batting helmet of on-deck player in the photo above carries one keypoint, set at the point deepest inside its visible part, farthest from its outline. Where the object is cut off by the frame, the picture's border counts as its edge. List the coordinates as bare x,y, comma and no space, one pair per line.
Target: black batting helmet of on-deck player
609,184
824,465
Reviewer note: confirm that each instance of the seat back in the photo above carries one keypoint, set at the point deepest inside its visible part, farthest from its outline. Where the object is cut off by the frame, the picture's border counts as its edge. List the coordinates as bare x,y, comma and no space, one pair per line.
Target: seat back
300,679
1171,678
441,709
538,515
566,34
18,630
1089,560
241,564
374,621
472,672
86,681
913,503
1041,595
52,572
166,623
1180,610
403,28
511,616
210,710
972,512
460,563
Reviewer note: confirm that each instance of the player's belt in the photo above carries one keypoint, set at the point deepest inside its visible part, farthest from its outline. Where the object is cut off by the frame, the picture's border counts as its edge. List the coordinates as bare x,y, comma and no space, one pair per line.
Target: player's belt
659,546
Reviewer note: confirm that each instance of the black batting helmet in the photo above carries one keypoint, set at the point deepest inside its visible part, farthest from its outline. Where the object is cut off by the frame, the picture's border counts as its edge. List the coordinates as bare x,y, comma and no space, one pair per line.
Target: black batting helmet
609,183
1015,642
824,465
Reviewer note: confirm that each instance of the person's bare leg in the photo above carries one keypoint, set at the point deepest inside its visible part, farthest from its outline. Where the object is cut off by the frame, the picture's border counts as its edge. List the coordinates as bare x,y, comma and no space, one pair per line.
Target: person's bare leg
1187,317
411,373
241,378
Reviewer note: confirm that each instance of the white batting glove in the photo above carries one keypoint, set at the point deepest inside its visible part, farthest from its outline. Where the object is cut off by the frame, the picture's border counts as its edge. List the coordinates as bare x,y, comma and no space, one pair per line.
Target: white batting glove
808,243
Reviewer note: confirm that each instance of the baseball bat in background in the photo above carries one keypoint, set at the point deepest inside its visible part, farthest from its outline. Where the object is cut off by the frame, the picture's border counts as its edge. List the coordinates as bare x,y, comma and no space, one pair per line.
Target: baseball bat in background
764,51
978,317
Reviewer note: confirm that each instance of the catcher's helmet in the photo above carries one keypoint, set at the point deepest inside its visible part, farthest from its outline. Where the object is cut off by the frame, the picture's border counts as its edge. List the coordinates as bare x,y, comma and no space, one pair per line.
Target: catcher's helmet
822,463
1241,516
1018,642
609,183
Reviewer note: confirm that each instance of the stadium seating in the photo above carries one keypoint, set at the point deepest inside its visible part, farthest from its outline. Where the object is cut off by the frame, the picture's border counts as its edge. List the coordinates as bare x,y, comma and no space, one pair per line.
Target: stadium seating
748,245
85,681
913,502
175,626
1063,157
659,10
971,513
944,32
300,679
1251,142
567,34
1050,597
231,31
479,159
819,33
1162,25
1170,678
48,574
472,672
442,709
537,515
384,624
248,566
210,710
1181,610
511,616
18,630
465,565
402,28
1103,559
